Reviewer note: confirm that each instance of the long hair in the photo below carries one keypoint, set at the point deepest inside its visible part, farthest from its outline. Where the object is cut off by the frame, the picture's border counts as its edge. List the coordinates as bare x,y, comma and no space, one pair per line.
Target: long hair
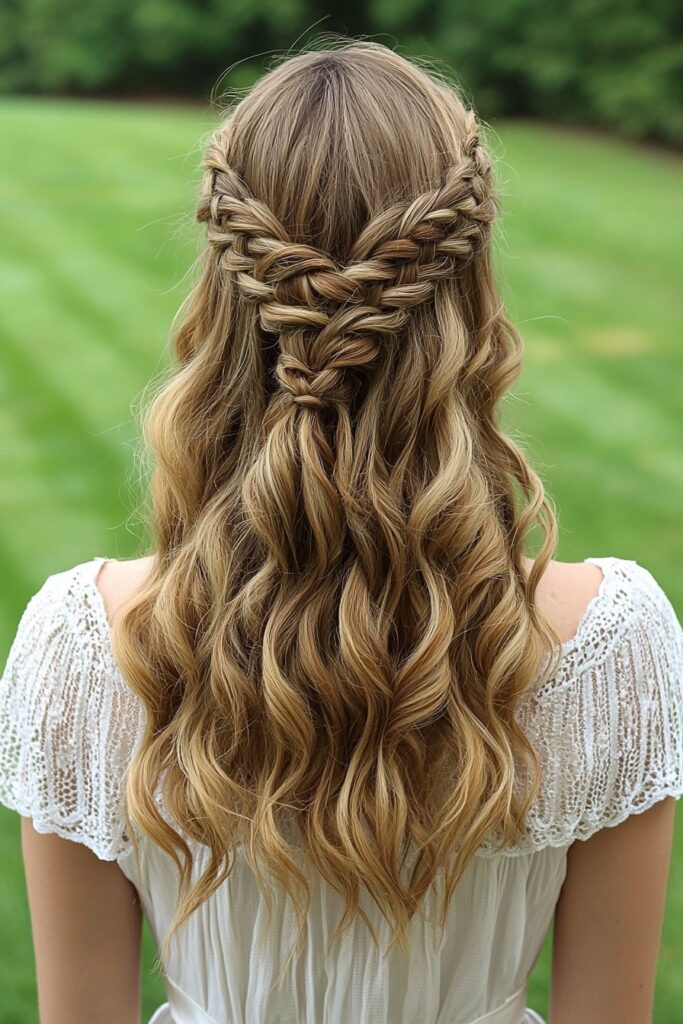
338,625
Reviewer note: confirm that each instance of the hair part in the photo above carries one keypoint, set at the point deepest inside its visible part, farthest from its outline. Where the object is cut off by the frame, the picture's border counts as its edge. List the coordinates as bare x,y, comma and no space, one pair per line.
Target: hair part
339,626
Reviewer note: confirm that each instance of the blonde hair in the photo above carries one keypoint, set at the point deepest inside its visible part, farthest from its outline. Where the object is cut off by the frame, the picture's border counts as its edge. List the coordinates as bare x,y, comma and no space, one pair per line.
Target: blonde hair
338,627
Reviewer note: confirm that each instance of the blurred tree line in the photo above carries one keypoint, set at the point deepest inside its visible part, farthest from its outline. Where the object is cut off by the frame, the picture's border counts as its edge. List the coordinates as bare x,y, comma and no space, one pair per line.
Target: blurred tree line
617,63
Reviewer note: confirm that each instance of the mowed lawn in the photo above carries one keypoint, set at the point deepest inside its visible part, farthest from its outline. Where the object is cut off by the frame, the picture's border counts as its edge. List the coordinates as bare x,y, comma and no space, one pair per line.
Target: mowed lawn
96,221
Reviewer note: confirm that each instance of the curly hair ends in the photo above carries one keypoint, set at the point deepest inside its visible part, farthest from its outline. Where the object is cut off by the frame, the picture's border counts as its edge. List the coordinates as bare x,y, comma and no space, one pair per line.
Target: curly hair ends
339,623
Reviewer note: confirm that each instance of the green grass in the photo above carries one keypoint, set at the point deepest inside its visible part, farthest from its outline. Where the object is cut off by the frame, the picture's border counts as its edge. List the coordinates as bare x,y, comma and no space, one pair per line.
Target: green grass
96,204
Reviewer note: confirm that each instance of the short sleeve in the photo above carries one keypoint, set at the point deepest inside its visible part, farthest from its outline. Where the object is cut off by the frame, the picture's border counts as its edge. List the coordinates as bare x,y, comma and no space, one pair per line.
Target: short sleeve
608,726
68,722
633,709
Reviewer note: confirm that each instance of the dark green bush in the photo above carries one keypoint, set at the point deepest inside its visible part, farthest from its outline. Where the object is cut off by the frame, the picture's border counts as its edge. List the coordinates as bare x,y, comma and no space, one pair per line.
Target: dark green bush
617,63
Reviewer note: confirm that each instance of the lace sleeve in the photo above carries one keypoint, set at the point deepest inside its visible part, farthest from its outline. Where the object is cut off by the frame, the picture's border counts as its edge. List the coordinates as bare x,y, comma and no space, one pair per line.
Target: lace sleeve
67,722
608,727
634,712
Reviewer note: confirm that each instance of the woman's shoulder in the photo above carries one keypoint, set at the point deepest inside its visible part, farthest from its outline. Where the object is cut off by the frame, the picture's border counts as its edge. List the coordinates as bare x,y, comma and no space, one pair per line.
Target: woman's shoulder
595,602
118,579
68,722
86,594
565,592
608,726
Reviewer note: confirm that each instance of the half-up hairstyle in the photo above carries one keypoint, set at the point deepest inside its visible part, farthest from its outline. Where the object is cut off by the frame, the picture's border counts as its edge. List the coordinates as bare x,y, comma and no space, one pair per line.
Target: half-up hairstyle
339,625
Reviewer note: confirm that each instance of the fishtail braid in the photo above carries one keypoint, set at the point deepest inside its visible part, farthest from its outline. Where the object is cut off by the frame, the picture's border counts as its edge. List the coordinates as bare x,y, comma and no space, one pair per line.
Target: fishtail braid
394,266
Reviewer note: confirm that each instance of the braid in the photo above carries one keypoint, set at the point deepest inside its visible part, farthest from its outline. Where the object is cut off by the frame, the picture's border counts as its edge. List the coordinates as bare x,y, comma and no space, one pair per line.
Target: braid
394,266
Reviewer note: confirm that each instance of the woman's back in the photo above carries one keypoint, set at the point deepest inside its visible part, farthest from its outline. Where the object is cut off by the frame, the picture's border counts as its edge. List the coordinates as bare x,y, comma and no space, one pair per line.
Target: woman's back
339,687
608,726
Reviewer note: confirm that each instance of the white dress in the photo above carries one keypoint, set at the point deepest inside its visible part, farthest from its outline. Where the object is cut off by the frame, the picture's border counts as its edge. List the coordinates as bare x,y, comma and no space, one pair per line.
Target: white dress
608,726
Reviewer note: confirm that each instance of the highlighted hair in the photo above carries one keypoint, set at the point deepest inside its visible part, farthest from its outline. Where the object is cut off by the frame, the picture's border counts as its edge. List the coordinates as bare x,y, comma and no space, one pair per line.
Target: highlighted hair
339,624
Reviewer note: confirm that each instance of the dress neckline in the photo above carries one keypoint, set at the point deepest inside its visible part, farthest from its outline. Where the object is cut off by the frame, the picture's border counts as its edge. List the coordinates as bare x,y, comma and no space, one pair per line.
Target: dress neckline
604,562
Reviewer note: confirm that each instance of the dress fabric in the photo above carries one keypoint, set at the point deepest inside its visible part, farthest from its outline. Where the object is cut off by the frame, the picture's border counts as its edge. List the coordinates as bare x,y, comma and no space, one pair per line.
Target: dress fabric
608,727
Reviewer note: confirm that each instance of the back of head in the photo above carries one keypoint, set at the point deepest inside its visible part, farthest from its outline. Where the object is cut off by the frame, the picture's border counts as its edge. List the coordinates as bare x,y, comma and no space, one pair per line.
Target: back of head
340,626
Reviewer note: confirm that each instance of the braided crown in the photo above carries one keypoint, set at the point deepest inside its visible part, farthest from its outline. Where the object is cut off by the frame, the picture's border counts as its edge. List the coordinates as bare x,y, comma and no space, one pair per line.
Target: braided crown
393,266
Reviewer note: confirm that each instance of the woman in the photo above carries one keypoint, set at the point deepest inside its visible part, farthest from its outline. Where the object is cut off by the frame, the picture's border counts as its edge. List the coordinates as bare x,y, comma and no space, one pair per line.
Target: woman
348,748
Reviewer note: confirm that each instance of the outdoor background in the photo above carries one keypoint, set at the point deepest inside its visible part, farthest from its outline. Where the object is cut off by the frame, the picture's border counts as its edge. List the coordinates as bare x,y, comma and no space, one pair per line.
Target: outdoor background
103,111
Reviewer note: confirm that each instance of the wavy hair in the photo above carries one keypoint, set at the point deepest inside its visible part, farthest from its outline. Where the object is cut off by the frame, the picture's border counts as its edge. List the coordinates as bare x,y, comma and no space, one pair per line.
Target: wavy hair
338,625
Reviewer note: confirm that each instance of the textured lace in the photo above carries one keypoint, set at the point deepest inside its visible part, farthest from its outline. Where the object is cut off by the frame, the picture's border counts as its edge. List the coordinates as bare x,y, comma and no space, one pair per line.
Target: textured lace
608,725
68,720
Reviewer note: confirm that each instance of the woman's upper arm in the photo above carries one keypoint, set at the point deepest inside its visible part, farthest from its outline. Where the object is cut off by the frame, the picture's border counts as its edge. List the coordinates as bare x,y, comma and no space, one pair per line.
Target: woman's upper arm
615,742
86,921
68,726
608,921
